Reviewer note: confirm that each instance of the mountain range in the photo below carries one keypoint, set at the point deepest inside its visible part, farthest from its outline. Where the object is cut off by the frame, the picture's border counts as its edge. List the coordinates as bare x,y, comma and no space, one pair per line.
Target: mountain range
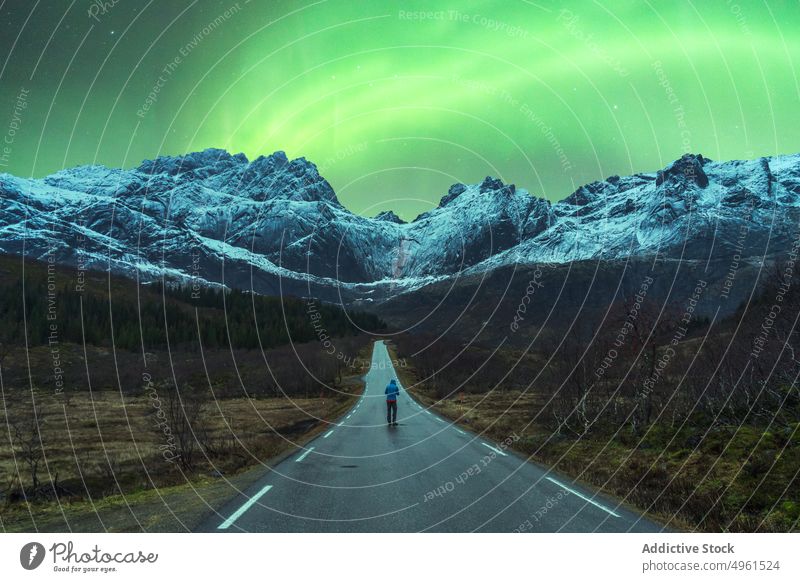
274,225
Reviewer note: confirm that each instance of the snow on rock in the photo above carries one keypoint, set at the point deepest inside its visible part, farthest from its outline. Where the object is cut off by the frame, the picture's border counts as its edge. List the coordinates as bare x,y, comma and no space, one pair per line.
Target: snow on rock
273,221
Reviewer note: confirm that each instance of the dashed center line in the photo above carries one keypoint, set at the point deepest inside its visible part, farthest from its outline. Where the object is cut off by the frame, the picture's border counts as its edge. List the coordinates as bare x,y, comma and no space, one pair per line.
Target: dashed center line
329,433
238,513
498,451
583,497
304,455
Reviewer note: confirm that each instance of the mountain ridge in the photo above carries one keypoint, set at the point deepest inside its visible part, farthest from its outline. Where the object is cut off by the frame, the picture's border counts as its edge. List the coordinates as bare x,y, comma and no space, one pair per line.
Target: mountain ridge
275,225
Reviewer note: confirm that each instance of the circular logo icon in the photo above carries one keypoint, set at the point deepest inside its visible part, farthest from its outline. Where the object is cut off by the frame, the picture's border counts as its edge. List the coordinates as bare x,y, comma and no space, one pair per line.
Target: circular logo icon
31,555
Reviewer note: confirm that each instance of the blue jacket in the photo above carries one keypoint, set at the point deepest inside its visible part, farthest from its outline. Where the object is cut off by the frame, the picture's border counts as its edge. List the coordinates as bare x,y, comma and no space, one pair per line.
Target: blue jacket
392,390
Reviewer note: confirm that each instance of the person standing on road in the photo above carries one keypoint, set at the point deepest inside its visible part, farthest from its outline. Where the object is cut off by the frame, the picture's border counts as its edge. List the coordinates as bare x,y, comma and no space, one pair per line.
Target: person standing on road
392,390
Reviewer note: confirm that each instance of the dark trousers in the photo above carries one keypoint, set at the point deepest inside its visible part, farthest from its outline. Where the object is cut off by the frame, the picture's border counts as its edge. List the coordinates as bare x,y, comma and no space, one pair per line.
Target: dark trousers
391,411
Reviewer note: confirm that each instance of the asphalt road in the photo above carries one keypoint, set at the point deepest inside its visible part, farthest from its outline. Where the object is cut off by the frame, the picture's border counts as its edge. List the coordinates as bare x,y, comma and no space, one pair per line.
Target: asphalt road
424,475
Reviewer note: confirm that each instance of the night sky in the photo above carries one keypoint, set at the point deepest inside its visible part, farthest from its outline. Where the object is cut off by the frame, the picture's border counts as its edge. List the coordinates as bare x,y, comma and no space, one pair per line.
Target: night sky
395,101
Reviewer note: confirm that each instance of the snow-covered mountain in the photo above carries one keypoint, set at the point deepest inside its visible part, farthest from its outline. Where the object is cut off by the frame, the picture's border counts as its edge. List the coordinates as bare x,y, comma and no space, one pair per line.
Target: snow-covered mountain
275,225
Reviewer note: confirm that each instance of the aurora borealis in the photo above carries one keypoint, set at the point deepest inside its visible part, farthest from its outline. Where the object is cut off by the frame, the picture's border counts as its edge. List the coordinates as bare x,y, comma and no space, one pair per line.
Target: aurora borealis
395,101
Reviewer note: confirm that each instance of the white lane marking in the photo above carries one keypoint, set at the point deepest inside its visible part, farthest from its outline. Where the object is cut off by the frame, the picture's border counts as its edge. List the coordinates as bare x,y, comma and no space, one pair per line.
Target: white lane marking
498,451
304,455
340,424
439,419
427,411
607,510
459,431
330,432
348,416
248,504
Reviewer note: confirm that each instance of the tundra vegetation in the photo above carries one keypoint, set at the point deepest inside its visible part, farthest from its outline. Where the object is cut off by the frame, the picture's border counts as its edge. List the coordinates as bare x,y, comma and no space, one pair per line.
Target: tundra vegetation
693,421
113,390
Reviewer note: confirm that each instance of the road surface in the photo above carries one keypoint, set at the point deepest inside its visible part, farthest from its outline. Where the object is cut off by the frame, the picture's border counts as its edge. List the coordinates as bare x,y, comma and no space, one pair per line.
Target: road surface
424,475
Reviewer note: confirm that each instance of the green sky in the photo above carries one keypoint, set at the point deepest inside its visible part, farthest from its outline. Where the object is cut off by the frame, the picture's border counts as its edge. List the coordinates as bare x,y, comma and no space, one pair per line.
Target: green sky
395,101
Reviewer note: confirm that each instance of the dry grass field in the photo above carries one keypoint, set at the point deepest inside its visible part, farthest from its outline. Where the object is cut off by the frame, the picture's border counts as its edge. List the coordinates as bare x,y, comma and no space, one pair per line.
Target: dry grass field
721,477
147,460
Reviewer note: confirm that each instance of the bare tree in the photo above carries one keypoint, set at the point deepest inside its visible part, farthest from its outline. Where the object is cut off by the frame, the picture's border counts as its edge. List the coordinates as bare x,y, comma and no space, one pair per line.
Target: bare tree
185,411
27,425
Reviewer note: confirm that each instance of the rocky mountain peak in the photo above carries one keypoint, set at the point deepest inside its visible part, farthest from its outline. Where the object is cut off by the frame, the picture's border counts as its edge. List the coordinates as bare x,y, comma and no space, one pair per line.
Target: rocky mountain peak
452,193
214,159
490,184
688,169
389,216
